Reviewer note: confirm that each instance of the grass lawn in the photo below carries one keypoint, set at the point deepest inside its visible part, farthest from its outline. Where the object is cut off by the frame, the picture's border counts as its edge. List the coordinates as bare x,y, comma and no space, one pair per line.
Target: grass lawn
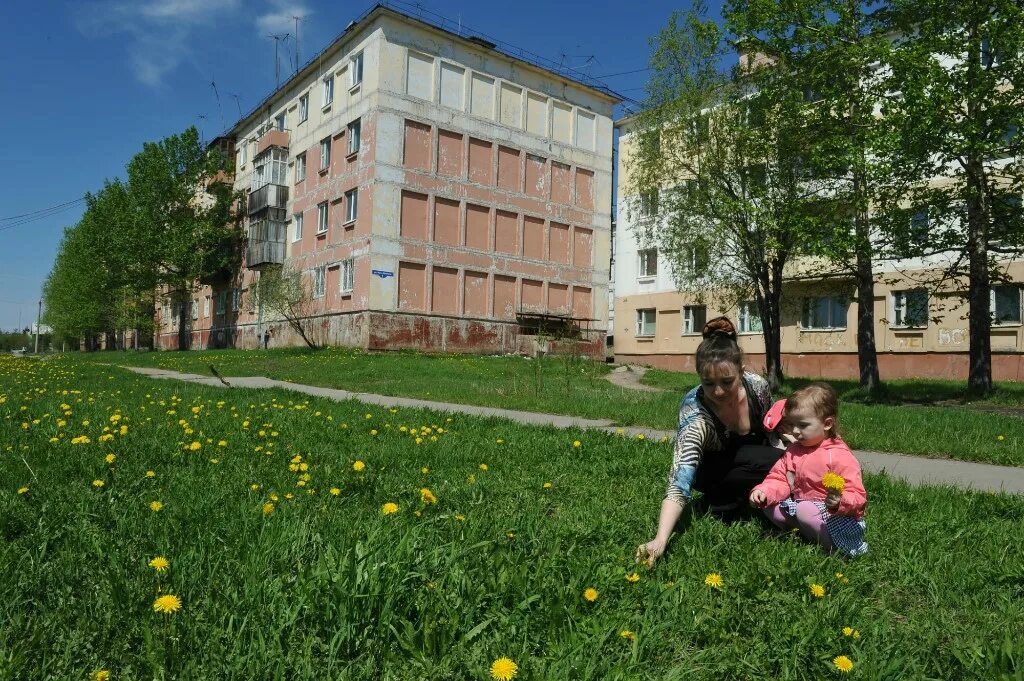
279,577
953,430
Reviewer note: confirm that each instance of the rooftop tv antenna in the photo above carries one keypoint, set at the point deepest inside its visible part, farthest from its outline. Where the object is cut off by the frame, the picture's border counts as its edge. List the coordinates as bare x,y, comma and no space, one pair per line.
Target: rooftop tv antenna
297,19
277,38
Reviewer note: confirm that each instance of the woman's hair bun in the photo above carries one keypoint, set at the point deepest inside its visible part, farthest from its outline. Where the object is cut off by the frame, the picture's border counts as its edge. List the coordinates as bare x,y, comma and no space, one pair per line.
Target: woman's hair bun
719,326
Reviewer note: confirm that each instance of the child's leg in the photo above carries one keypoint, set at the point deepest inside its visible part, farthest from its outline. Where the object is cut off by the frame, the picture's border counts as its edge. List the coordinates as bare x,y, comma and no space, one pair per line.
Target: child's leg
779,519
811,523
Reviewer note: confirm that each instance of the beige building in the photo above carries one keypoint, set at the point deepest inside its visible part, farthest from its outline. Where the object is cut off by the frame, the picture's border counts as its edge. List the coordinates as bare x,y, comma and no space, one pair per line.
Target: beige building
917,334
434,192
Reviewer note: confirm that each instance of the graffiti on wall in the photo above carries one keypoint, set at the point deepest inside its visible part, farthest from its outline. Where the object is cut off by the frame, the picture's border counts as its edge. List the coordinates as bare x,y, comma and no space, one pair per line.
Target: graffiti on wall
952,336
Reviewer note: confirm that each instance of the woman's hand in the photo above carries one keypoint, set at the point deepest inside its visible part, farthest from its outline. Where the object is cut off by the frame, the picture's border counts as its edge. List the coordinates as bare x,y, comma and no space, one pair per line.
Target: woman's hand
758,499
650,552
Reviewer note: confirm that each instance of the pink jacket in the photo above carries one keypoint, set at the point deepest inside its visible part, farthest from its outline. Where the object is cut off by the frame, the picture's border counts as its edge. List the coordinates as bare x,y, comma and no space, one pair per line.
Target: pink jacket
807,466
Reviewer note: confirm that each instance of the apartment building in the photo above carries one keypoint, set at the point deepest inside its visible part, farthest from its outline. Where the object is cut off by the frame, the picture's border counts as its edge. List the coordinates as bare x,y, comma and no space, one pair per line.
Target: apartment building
917,333
434,191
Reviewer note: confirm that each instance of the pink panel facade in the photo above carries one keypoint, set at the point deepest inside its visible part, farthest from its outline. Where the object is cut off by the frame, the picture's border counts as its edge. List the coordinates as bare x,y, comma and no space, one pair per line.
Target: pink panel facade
536,176
478,227
446,222
444,294
475,294
414,216
558,298
533,237
481,162
559,248
581,302
561,183
585,189
508,169
412,286
506,232
449,153
416,153
582,247
504,297
533,295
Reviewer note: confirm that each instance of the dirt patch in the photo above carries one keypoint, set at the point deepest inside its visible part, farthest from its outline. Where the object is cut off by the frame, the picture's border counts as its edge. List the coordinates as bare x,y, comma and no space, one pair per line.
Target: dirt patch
629,377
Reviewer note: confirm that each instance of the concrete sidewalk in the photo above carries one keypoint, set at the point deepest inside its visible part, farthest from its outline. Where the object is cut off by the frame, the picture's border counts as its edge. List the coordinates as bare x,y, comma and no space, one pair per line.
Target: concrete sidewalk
914,469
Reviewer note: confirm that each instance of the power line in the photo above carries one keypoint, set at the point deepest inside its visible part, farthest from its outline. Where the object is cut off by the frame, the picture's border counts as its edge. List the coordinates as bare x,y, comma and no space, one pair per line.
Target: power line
624,73
40,215
41,210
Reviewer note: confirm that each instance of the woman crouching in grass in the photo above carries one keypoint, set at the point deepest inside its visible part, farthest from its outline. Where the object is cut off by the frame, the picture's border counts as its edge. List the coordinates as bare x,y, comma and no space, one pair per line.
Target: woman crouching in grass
721,448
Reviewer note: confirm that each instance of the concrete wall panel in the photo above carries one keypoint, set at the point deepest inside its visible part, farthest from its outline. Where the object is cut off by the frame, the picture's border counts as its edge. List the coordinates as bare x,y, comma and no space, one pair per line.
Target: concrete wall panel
453,85
562,119
481,162
417,147
506,232
475,294
412,286
414,216
585,189
537,114
558,298
582,302
444,293
504,297
582,247
420,81
511,110
560,244
536,176
450,150
508,169
561,183
533,237
482,96
446,222
478,227
533,295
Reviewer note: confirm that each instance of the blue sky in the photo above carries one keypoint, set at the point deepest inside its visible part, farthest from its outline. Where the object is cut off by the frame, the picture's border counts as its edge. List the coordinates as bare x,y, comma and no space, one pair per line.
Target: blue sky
86,83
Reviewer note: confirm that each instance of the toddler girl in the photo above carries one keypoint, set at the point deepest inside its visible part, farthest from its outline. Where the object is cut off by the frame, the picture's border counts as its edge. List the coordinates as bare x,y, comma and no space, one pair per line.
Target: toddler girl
816,486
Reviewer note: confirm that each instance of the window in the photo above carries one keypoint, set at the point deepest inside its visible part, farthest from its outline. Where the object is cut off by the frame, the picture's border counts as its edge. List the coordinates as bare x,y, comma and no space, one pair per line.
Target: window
351,205
319,281
321,218
221,301
1006,305
328,91
236,299
355,70
353,136
270,167
347,275
325,153
300,167
195,308
304,108
649,204
645,322
206,306
297,226
749,317
910,308
694,318
824,312
243,154
280,121
989,57
697,258
648,262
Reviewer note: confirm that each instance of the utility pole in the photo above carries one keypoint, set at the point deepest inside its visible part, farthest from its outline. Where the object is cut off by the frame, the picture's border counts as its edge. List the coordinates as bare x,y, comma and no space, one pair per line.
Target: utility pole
39,319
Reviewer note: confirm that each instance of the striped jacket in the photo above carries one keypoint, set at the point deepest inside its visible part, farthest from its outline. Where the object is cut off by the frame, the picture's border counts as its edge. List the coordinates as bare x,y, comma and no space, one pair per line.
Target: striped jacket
700,432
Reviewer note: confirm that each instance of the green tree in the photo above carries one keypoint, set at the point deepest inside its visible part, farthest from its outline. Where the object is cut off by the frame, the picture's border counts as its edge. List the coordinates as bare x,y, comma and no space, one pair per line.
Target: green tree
77,292
958,69
281,293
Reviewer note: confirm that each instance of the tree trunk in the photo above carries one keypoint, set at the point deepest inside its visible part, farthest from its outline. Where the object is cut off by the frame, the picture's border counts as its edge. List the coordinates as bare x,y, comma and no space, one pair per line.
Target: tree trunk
867,353
770,306
979,376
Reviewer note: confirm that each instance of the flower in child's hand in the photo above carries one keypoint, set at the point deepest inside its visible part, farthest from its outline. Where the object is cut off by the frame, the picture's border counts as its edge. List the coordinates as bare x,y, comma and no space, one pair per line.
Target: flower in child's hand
833,482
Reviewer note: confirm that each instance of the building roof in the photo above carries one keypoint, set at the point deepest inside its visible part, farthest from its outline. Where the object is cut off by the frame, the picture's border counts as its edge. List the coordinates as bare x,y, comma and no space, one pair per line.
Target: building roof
460,33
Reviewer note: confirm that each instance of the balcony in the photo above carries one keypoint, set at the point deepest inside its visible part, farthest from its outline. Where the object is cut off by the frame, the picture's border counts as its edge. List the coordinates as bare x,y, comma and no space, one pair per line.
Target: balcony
268,196
272,138
262,253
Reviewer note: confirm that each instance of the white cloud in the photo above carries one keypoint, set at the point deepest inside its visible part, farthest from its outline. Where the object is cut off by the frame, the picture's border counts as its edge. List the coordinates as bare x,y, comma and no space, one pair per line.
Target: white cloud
159,31
281,18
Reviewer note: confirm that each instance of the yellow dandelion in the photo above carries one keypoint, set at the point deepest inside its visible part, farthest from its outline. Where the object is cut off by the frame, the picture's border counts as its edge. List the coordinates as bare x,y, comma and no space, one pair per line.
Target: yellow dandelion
424,470
222,443
1000,437
214,460
460,517
483,466
627,634
373,432
97,483
155,506
389,508
590,594
150,474
427,497
577,443
817,590
335,491
160,564
500,441
843,663
358,466
833,482
504,669
547,485
641,436
268,508
23,490
100,675
714,580
167,605
110,458
195,446
632,578
254,487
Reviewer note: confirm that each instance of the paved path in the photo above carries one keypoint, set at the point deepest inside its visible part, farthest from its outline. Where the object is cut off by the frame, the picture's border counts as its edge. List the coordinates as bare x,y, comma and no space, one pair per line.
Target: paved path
915,469
629,377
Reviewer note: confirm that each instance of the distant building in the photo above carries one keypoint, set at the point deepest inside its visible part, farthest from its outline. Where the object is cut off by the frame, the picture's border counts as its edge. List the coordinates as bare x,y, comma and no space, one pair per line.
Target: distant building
435,192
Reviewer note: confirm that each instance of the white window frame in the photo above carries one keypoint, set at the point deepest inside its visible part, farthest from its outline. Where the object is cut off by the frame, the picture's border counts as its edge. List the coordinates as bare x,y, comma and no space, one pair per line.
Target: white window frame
1020,305
693,324
899,304
646,259
355,70
347,275
831,324
642,322
304,108
322,217
236,299
320,281
243,154
325,154
206,306
328,90
297,223
351,205
300,168
746,315
354,134
281,121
